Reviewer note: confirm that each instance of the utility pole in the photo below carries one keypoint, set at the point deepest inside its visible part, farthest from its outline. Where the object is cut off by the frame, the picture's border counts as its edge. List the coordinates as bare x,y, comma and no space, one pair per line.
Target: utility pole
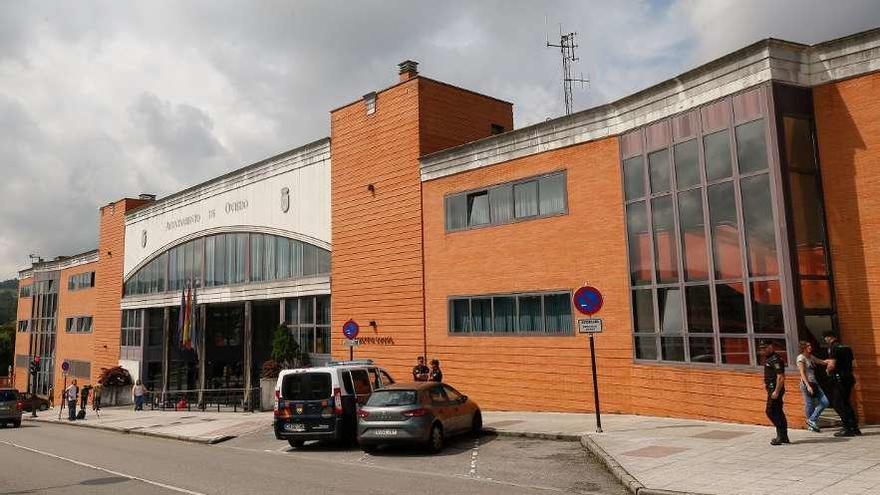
567,45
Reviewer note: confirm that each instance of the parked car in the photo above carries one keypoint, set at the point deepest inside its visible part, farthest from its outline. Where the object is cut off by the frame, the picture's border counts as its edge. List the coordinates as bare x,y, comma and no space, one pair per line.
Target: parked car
423,413
321,403
30,401
10,407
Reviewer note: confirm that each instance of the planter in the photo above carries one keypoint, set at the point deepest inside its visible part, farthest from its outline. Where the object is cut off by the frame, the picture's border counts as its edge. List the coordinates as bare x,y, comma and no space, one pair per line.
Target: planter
267,393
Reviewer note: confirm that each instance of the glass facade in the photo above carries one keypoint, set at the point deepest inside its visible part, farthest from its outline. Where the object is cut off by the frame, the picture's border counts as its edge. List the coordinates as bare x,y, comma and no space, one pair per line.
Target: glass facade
44,329
702,235
308,319
227,259
515,314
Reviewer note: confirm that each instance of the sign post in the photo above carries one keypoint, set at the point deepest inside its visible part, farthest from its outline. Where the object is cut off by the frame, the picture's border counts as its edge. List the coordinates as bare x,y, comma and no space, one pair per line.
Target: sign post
65,366
588,300
350,329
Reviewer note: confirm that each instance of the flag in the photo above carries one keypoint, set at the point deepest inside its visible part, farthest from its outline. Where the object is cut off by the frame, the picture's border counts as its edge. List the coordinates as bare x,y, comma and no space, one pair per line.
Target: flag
187,338
180,317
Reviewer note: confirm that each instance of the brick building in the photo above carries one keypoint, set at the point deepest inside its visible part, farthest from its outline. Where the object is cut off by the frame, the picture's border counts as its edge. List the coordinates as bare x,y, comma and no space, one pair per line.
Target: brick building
733,203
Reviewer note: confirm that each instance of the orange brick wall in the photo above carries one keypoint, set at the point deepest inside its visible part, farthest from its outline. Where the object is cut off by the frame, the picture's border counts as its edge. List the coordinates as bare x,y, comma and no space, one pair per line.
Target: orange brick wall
377,237
78,346
108,284
22,340
849,151
587,245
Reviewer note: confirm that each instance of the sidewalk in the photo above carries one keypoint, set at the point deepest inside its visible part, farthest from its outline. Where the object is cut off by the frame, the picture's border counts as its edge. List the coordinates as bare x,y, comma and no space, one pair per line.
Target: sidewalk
660,455
191,426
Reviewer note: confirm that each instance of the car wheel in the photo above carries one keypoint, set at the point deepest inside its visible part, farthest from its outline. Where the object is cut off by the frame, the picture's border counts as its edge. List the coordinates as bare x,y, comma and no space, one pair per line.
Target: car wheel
297,444
477,423
44,407
435,441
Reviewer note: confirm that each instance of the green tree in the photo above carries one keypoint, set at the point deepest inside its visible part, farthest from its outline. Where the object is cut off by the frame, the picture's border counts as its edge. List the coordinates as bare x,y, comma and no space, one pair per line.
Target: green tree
285,349
7,347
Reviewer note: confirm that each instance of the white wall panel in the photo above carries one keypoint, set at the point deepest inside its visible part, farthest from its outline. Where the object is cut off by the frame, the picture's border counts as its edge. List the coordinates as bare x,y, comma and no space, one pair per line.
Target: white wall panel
249,199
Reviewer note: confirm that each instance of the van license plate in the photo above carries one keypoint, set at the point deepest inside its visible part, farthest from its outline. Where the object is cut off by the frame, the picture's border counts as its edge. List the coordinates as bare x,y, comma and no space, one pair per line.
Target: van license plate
386,433
295,427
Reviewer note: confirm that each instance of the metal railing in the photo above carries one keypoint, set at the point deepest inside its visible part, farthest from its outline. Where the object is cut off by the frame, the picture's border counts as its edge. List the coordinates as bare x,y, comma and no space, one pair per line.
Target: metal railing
215,399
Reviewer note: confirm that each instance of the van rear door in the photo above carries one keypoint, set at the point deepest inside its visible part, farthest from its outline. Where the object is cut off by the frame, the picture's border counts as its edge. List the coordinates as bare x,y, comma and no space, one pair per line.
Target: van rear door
309,399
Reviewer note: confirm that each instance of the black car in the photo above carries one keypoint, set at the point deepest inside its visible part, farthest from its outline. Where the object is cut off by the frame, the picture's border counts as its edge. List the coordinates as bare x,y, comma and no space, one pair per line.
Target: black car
10,407
30,401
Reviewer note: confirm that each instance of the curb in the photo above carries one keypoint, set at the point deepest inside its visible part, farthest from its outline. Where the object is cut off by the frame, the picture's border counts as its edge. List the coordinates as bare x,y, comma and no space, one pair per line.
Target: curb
566,437
137,431
629,481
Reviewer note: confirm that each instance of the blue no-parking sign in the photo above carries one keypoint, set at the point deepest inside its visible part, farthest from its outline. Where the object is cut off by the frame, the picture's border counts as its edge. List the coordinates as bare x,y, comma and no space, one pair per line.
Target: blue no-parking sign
350,329
588,300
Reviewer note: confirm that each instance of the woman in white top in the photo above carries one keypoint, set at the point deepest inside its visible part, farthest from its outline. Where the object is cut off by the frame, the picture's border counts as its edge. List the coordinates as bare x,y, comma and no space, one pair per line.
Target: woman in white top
815,400
137,393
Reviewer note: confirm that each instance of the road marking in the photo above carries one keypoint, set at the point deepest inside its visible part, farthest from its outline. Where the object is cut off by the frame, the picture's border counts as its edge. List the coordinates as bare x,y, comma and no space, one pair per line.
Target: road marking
99,468
474,453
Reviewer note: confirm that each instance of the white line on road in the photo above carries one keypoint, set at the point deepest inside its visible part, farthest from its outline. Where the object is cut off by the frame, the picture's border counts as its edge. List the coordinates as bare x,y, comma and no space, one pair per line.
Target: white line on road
474,453
99,468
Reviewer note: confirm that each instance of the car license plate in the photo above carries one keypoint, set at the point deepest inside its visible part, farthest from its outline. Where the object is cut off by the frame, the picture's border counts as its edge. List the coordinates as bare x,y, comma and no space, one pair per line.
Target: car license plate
387,432
295,427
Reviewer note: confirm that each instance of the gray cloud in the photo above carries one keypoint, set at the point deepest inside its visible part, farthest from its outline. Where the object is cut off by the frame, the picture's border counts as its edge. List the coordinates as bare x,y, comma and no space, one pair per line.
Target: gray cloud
104,99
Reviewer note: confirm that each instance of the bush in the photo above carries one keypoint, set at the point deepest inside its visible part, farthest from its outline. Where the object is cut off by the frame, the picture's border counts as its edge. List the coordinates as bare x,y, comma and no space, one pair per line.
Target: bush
270,369
116,376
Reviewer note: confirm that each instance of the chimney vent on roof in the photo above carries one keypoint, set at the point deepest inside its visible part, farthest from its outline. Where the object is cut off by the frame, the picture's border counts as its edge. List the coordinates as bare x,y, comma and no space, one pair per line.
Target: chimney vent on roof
408,70
147,197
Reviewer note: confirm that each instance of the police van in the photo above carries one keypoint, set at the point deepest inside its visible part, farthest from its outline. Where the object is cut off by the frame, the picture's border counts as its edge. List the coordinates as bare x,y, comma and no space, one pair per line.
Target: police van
321,403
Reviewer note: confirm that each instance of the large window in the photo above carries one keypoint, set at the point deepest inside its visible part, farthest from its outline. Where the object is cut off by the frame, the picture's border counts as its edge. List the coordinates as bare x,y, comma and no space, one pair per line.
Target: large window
226,259
23,326
25,291
701,235
132,327
530,198
308,319
78,324
81,281
530,314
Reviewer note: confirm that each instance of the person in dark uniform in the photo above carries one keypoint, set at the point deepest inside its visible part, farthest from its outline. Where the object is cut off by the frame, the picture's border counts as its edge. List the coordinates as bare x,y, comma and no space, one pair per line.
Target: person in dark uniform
436,373
774,382
840,370
420,372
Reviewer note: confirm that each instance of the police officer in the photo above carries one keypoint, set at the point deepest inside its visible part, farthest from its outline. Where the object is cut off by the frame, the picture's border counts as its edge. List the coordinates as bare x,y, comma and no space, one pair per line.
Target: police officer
774,382
420,371
840,365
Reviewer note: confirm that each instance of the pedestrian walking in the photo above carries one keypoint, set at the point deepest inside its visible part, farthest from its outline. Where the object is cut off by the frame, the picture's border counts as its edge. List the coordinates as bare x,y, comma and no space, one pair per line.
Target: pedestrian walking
137,393
71,394
96,397
436,373
420,372
774,382
840,370
815,400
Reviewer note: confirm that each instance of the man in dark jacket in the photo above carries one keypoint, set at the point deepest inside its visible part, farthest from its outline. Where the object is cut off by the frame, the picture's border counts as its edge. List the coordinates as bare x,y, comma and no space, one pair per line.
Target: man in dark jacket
774,382
840,370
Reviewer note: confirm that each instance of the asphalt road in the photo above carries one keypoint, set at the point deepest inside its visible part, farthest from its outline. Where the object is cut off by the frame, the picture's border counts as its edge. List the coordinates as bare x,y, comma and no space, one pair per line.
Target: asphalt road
45,458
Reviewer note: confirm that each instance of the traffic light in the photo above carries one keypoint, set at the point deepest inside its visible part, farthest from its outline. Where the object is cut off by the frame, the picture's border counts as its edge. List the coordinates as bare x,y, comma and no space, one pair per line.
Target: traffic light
34,366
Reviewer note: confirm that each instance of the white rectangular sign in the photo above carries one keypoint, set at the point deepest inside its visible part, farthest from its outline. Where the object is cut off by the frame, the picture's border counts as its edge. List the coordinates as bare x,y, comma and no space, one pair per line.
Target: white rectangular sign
352,343
590,325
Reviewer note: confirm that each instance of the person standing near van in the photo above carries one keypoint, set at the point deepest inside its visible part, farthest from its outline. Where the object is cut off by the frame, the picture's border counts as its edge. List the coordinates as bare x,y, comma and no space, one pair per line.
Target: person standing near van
774,382
436,373
815,400
71,394
840,369
420,372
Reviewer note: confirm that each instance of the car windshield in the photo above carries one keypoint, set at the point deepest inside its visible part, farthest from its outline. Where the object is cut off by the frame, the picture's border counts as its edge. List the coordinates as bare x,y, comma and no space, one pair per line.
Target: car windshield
8,395
306,386
391,398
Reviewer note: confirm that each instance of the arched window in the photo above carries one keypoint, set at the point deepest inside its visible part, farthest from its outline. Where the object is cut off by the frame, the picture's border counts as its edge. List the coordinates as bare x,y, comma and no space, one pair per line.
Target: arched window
227,259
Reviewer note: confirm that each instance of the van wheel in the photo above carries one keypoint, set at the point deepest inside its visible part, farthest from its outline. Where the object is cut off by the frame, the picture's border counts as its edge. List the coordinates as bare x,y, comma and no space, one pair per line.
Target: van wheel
16,424
435,441
297,444
369,449
477,423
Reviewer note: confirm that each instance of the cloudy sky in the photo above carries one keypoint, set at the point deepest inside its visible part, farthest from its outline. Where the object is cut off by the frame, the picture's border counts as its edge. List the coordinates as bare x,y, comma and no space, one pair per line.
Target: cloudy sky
100,100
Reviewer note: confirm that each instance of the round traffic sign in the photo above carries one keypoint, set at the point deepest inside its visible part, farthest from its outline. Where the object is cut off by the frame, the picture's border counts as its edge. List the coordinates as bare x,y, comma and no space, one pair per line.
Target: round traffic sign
350,329
588,300
65,366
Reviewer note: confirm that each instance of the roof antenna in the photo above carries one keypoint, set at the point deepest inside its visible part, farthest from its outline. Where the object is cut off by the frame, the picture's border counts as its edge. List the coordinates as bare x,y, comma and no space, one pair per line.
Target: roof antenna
566,46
